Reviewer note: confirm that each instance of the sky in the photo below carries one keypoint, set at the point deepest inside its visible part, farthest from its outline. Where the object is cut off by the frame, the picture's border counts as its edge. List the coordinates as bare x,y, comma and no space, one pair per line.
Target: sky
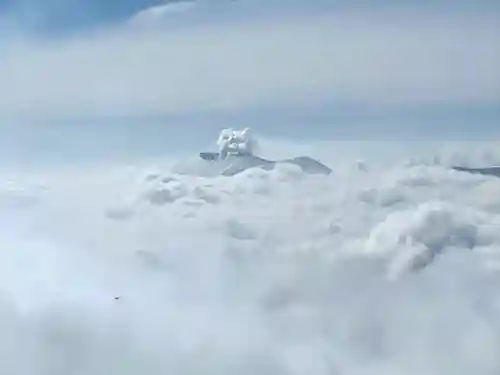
302,68
390,265
57,16
60,16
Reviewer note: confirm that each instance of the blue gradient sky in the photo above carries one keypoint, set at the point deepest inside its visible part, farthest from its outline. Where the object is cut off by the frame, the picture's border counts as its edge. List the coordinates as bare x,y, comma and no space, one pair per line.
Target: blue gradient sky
91,72
59,17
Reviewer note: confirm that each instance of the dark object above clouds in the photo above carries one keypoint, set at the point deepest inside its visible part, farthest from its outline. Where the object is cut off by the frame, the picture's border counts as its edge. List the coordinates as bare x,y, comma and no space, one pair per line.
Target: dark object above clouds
235,164
487,171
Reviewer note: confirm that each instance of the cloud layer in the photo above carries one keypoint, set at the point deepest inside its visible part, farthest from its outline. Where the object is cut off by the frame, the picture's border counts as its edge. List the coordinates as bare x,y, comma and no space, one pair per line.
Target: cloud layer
363,58
391,267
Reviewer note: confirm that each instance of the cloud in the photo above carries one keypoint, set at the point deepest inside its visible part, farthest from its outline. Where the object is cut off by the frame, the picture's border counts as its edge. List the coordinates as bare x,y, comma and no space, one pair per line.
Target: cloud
376,59
299,286
157,13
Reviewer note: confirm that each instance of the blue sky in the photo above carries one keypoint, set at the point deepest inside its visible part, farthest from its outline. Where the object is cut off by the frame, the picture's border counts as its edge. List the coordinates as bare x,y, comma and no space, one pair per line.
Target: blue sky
59,17
330,68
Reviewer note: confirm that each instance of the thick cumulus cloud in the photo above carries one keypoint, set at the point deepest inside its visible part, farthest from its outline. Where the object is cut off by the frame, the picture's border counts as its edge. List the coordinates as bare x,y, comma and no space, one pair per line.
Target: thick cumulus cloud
392,268
369,58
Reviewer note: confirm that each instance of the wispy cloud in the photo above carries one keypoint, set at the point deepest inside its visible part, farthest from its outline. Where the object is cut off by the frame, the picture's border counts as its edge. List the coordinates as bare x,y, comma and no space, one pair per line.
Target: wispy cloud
158,12
368,58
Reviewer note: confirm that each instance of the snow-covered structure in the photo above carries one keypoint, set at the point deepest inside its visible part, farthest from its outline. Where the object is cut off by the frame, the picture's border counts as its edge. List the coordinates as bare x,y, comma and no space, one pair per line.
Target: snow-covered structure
236,142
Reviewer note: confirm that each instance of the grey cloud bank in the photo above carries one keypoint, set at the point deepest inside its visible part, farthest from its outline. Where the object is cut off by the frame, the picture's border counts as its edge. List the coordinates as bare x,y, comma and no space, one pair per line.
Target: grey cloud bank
374,59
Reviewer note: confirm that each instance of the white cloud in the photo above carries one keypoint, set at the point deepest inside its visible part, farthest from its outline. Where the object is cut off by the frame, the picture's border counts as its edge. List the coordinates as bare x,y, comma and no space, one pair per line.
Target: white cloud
268,272
158,13
365,58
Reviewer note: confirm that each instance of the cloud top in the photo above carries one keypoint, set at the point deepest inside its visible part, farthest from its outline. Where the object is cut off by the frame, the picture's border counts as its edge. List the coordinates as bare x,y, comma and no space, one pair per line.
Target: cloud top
374,59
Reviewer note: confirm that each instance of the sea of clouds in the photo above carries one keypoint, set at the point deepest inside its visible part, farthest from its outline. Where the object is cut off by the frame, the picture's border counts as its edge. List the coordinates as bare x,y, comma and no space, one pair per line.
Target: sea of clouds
390,265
